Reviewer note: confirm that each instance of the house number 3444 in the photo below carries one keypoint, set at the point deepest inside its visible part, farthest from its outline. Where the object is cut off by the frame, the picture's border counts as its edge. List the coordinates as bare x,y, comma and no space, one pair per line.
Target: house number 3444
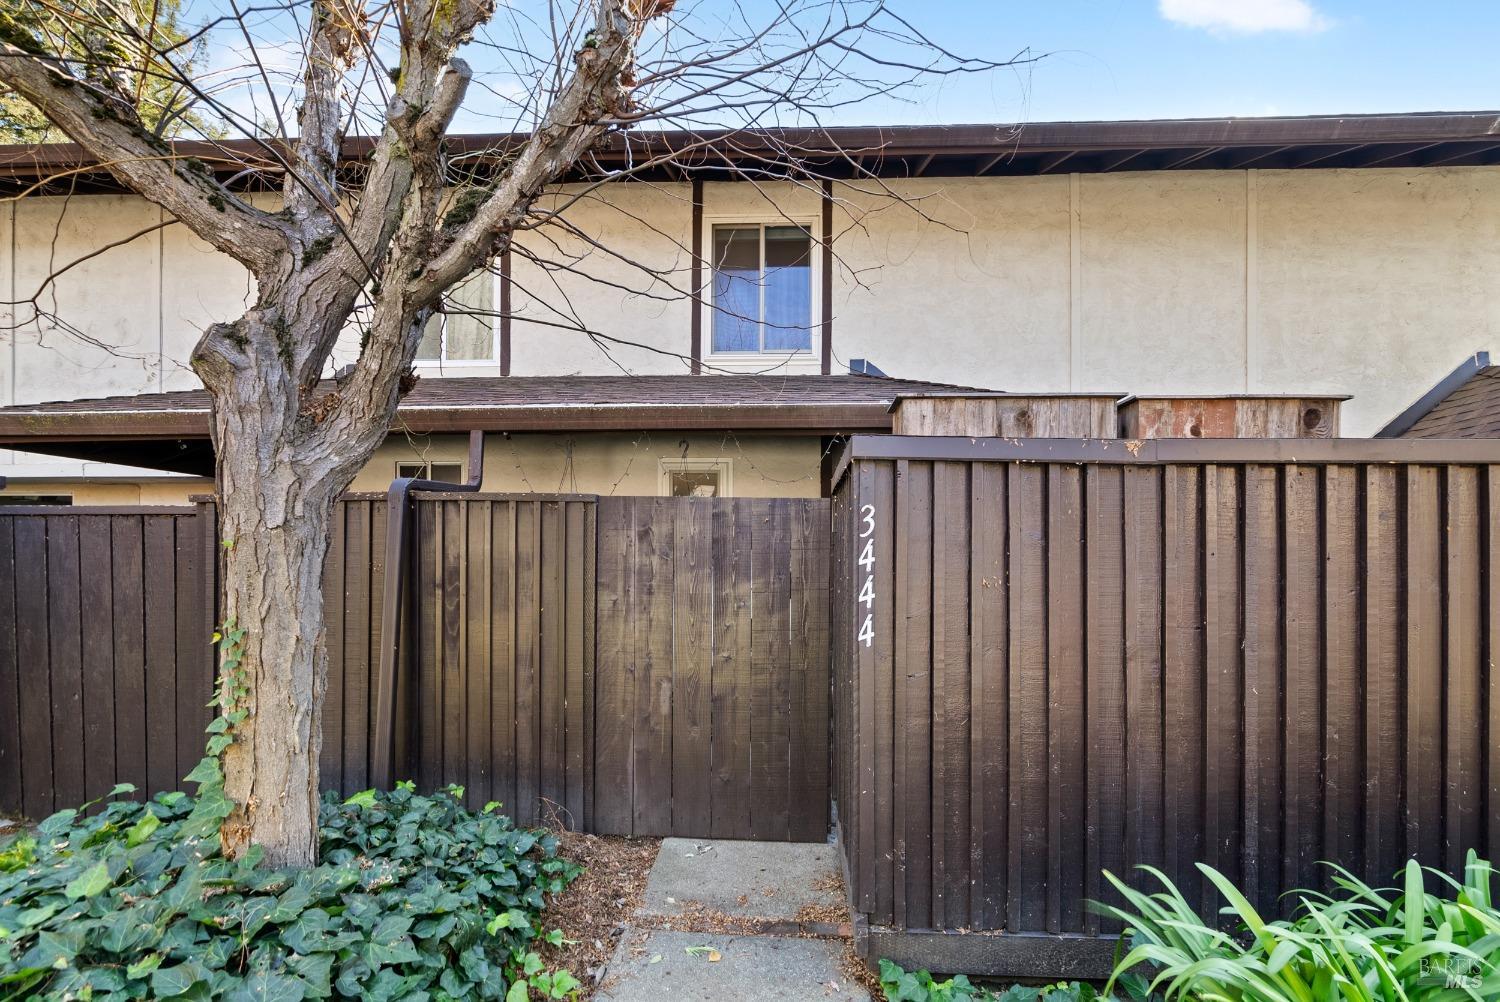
867,561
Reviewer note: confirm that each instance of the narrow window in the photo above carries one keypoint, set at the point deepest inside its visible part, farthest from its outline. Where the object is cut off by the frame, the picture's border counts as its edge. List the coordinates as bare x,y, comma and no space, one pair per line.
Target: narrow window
762,289
466,333
447,473
695,478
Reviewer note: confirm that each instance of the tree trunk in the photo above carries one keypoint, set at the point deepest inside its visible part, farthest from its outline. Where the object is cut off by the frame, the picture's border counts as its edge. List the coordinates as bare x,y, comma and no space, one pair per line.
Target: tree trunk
274,533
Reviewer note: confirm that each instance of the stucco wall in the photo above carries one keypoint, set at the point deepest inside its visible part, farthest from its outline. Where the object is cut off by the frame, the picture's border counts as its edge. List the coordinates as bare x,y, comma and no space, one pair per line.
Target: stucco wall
1373,283
606,464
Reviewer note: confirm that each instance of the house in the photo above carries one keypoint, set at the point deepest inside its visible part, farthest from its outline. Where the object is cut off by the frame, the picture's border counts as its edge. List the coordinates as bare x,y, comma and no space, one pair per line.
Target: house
1326,256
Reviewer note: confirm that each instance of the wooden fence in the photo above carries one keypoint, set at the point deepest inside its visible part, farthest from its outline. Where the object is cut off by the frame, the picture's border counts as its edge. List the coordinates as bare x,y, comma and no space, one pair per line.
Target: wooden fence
713,668
710,701
1052,659
105,665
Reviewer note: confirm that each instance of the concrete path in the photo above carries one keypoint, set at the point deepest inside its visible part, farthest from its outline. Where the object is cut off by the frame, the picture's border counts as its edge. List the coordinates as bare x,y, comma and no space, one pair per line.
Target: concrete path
728,921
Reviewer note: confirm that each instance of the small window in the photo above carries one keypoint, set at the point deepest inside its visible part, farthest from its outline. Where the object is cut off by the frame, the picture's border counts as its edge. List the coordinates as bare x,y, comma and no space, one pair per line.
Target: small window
31,499
695,478
445,473
467,332
762,289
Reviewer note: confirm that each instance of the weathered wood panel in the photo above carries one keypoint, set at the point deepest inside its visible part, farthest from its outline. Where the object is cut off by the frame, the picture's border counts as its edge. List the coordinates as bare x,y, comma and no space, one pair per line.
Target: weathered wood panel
712,668
1237,659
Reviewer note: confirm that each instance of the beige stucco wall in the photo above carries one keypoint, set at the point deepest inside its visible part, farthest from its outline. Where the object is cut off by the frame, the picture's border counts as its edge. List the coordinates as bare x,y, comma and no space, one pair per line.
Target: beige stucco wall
1374,283
177,491
611,464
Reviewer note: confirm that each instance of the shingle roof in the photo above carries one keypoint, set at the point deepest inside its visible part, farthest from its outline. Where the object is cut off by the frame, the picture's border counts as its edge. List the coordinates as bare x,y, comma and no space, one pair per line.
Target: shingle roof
1470,411
526,403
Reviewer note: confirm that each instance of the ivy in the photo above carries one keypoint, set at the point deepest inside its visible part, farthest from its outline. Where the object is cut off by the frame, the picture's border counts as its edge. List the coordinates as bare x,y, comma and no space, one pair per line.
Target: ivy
414,897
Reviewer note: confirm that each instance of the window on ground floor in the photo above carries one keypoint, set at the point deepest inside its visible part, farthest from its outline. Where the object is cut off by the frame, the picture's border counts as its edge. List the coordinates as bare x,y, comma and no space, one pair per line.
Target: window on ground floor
447,473
695,478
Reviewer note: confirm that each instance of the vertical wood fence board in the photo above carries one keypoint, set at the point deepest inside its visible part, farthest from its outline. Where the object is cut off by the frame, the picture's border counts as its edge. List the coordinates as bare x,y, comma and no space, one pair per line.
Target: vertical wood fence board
1424,663
129,655
885,723
1263,660
502,665
1144,780
64,632
335,610
952,688
1066,680
1027,879
1183,671
96,604
1343,749
614,756
10,677
1462,770
1104,574
692,667
989,608
161,652
914,674
1383,657
1302,780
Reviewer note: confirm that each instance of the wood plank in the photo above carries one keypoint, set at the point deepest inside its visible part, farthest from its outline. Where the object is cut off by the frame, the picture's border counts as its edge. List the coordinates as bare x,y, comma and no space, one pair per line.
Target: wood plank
478,574
1382,558
914,694
770,744
1302,793
96,595
810,670
1491,664
882,651
425,580
129,655
1263,701
1223,762
502,665
951,690
335,610
358,611
577,640
552,723
1183,670
692,667
34,662
614,669
1066,679
64,628
1343,754
528,711
1027,911
733,544
1463,775
653,660
10,682
1104,800
588,701
452,692
1144,783
1424,664
160,575
989,609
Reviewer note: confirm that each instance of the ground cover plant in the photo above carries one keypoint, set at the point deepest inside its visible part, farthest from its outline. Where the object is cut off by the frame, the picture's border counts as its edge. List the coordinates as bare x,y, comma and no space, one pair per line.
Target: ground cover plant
414,897
1360,944
901,985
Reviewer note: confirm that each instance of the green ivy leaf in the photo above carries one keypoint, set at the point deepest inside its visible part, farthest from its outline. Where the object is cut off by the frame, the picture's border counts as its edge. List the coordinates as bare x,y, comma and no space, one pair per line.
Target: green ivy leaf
142,829
90,882
519,992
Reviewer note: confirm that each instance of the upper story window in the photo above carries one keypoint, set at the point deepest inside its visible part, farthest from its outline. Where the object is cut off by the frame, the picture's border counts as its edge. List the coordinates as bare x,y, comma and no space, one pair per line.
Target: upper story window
468,333
762,289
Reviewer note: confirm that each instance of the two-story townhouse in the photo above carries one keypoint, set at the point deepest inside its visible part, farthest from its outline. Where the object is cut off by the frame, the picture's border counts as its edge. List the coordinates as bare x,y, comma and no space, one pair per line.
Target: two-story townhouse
1320,256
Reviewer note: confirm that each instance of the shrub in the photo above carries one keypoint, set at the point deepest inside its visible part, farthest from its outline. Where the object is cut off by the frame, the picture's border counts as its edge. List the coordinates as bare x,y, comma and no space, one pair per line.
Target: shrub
414,898
1366,944
901,985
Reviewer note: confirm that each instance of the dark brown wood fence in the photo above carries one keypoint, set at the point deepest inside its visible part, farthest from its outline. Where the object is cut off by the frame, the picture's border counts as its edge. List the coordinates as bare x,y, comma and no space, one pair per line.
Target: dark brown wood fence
105,664
712,710
1082,657
711,703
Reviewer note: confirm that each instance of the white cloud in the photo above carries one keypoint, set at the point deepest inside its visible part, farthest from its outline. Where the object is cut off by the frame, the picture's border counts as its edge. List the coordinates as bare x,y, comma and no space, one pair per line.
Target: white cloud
1244,16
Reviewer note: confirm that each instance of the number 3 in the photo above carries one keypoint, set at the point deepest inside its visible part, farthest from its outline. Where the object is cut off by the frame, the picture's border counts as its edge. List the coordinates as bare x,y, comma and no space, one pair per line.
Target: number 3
867,512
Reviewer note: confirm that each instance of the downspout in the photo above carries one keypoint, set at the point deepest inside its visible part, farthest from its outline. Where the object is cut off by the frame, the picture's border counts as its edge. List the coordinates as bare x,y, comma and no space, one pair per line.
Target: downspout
397,552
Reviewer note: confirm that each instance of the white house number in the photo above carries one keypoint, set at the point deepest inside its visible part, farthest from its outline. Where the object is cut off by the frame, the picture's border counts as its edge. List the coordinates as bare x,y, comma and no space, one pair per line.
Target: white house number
867,561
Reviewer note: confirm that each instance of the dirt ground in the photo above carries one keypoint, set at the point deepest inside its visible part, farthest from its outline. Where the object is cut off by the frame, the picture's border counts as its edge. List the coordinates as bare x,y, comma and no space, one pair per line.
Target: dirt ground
592,913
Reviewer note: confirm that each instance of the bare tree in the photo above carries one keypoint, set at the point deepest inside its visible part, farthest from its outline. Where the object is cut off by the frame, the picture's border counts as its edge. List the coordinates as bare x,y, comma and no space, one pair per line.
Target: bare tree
379,251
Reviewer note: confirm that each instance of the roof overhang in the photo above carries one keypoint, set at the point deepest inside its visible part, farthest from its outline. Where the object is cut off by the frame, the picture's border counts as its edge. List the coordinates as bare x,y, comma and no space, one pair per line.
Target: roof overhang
1426,139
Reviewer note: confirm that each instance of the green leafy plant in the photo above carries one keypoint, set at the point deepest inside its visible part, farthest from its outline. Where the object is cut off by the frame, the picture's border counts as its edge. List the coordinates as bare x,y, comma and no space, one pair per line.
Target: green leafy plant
901,985
1363,945
133,901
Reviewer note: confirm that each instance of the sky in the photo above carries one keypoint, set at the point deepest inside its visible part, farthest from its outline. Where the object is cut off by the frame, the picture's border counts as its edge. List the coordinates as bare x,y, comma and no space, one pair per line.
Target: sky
1116,59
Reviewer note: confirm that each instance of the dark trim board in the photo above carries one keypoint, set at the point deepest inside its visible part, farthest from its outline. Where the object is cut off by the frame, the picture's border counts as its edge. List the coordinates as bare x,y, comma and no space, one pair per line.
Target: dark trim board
994,954
1440,391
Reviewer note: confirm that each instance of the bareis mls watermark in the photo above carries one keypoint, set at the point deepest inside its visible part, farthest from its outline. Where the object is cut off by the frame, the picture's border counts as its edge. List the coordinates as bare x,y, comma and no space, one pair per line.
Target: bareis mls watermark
1462,973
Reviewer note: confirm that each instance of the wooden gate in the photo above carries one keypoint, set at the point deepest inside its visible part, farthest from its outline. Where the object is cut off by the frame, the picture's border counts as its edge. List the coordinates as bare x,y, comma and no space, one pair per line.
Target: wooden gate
712,679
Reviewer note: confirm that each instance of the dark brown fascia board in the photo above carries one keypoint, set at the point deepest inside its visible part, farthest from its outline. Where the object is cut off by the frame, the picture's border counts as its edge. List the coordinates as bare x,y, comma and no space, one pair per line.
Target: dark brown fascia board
1155,451
891,141
17,429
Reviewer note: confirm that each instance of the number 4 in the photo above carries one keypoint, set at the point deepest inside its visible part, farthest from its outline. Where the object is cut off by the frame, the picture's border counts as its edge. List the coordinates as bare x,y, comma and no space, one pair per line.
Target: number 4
867,630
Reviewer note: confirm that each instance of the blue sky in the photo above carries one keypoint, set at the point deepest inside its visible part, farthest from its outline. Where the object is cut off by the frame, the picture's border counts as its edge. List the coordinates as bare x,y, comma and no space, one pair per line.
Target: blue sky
1113,59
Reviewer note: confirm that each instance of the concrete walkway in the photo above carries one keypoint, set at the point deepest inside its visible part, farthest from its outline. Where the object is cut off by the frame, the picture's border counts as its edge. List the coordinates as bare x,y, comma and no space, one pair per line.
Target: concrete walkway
728,921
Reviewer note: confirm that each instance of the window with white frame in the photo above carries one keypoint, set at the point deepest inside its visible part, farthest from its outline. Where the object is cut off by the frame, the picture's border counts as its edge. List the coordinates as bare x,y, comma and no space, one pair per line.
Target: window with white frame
762,291
447,473
467,332
695,478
